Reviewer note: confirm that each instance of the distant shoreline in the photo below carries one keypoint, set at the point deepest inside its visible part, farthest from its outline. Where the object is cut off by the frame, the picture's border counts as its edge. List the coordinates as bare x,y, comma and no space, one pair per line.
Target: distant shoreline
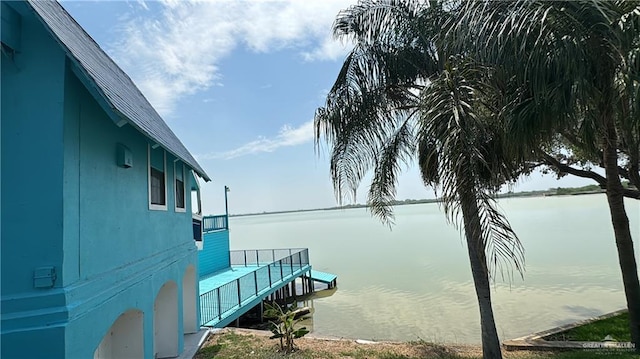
574,191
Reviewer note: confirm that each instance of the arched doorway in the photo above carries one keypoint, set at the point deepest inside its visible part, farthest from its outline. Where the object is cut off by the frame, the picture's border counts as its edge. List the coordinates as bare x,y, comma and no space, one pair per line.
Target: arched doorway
165,321
125,338
189,301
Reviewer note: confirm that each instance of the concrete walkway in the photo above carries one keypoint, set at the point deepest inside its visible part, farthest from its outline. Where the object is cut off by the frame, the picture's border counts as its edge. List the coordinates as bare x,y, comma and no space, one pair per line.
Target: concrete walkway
192,343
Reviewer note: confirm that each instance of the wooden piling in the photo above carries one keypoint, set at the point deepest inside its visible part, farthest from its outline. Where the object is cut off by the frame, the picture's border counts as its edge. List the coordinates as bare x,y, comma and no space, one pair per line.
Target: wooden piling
293,288
261,312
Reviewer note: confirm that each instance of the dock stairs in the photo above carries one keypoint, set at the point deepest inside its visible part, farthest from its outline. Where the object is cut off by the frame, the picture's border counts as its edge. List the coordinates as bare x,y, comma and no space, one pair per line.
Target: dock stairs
323,277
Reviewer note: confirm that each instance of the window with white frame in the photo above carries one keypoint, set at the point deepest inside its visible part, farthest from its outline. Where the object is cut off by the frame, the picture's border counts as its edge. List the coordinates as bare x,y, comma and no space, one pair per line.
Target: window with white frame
157,179
178,174
196,204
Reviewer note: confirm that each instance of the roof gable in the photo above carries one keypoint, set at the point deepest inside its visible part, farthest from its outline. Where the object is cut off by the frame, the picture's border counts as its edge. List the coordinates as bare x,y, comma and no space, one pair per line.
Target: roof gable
121,95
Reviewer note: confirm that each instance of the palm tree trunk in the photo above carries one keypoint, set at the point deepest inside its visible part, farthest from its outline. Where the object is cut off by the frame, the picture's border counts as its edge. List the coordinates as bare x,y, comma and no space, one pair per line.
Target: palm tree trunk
624,242
480,273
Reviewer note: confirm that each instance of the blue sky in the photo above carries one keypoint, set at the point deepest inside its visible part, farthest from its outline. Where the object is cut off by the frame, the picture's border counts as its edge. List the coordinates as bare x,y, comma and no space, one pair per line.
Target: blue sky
239,82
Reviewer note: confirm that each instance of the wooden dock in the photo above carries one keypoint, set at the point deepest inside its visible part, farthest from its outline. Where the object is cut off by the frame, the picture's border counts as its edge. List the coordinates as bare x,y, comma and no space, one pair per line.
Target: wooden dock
256,276
323,277
243,288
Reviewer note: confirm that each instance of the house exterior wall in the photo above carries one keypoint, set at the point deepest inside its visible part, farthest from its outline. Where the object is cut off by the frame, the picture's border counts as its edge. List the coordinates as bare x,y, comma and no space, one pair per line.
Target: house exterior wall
31,160
115,242
214,255
113,215
66,204
31,186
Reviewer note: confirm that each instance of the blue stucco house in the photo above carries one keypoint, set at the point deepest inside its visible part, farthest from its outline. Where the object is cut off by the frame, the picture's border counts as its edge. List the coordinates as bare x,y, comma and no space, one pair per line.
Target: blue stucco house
98,253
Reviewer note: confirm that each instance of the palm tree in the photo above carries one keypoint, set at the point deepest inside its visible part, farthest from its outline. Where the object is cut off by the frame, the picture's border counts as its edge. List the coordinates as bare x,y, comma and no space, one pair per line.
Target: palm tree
576,64
461,151
399,97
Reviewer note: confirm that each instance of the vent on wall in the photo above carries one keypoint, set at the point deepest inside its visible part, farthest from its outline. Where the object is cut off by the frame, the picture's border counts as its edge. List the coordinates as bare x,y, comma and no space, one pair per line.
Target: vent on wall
125,158
44,277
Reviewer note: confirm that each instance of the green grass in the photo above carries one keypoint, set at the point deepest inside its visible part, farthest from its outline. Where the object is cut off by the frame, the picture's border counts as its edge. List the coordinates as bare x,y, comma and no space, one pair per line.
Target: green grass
210,351
617,327
237,346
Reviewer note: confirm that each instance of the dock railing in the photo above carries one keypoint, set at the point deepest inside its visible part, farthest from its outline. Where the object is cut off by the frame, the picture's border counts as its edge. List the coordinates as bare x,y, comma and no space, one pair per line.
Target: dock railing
215,223
273,266
256,257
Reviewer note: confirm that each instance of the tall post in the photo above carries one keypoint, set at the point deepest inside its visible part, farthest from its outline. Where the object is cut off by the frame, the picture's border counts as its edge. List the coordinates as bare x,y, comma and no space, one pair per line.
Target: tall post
255,281
226,204
312,287
293,288
291,263
219,304
262,311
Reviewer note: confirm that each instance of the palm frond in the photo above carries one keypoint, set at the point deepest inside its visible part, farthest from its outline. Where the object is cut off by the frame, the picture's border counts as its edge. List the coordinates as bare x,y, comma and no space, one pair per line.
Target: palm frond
503,249
376,21
399,94
376,87
428,162
459,136
398,150
358,127
541,43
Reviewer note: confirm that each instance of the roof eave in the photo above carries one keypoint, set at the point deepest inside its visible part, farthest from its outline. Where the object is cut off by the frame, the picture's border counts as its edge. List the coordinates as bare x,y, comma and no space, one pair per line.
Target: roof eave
103,100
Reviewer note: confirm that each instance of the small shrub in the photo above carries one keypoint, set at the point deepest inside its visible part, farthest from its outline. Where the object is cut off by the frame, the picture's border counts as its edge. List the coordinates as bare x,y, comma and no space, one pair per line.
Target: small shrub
283,325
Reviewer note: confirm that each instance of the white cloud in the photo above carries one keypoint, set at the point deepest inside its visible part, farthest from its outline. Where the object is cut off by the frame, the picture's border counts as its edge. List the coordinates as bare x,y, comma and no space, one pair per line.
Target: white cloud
142,4
288,136
174,52
330,49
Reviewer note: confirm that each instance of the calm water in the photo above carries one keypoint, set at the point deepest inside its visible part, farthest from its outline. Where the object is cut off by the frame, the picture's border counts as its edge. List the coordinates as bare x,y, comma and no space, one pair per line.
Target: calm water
415,281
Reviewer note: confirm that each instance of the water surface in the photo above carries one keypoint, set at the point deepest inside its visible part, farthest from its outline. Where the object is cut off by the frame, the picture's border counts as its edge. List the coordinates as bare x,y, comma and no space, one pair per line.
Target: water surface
414,281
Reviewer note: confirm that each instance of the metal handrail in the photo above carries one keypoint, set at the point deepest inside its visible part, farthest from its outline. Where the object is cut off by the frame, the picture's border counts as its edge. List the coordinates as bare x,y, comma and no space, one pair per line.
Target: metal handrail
229,296
260,256
215,223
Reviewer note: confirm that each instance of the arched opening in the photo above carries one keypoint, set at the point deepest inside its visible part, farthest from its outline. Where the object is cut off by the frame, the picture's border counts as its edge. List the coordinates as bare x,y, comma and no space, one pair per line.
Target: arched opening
125,338
165,321
189,301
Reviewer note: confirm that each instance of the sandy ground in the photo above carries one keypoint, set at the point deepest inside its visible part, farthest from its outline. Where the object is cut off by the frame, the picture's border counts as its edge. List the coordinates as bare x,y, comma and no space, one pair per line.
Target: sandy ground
339,345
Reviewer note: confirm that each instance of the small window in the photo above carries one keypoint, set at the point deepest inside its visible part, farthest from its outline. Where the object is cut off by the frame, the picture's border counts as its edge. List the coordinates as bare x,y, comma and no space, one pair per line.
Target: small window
157,179
196,203
178,170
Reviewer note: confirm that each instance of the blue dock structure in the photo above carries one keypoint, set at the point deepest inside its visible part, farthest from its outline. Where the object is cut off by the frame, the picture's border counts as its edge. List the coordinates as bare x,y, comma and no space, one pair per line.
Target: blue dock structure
322,277
253,276
234,282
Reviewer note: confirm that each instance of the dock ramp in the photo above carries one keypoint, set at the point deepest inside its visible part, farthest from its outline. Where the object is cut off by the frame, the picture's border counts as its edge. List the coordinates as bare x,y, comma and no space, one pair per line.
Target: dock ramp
323,277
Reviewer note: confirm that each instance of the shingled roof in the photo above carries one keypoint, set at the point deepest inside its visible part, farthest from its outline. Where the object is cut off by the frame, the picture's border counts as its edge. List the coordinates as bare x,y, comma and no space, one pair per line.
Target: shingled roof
110,82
